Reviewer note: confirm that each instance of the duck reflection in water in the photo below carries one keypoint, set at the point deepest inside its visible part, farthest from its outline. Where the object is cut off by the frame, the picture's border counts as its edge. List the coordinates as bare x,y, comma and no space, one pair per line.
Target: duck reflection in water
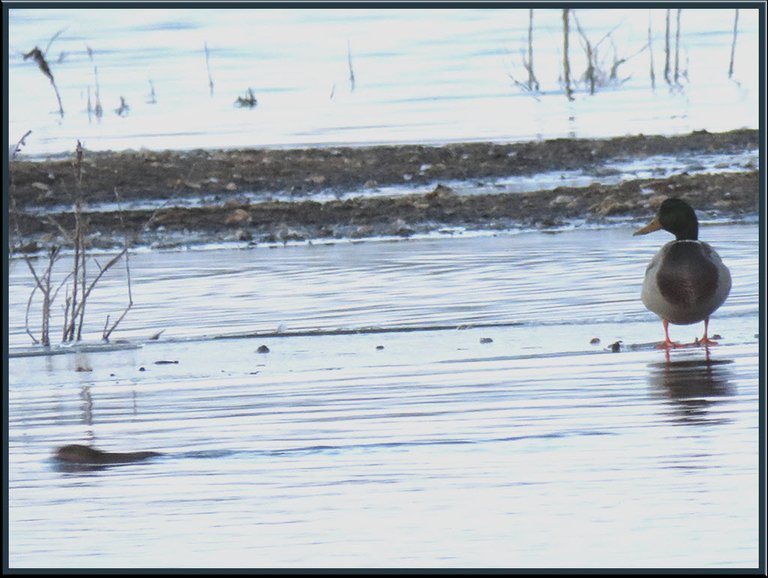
694,386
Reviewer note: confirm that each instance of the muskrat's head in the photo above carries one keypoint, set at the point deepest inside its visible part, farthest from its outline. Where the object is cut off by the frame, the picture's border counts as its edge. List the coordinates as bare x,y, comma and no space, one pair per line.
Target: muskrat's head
77,453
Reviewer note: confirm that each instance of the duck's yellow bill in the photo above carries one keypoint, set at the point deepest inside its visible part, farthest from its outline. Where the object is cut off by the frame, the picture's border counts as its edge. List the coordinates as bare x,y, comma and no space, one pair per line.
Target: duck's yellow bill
654,225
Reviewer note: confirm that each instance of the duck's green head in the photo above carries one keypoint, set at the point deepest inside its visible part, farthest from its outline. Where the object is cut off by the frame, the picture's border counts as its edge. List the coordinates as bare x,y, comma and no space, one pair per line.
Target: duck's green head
677,217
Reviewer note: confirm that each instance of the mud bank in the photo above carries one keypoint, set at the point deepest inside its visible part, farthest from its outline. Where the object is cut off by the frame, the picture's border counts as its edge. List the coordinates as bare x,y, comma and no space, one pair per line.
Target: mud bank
39,187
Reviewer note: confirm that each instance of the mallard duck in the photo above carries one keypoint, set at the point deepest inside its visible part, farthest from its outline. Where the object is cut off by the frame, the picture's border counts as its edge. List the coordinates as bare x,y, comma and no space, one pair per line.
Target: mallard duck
686,281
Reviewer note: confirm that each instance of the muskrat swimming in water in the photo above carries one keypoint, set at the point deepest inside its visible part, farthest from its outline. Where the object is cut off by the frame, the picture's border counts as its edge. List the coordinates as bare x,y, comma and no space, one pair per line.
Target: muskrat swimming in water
78,454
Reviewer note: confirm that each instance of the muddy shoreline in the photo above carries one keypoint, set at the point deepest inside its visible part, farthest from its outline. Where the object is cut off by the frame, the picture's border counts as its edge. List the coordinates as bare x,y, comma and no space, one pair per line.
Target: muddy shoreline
39,187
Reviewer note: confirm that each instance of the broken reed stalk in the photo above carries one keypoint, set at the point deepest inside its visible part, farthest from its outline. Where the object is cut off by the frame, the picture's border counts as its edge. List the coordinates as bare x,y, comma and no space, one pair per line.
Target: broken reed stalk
208,68
36,55
666,50
98,110
650,52
79,263
152,95
677,46
533,83
351,70
733,42
89,108
566,62
590,53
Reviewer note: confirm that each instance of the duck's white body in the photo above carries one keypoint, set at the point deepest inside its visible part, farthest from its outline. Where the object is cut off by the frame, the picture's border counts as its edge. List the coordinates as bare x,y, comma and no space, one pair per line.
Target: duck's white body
685,282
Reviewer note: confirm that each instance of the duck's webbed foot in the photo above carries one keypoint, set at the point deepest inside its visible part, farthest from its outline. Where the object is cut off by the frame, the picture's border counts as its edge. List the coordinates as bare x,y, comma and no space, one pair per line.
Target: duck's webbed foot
705,340
668,343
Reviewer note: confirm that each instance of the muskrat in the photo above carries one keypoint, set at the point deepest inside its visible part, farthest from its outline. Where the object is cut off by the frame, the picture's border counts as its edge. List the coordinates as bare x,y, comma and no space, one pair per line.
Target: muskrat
77,454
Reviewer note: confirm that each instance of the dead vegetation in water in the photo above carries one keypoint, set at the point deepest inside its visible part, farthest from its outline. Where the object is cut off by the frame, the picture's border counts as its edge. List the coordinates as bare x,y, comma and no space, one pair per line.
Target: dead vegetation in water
601,68
78,283
601,71
247,101
37,55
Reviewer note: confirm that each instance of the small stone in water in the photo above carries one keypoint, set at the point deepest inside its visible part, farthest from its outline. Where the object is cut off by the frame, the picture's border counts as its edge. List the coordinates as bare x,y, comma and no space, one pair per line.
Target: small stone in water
594,341
379,347
486,340
262,349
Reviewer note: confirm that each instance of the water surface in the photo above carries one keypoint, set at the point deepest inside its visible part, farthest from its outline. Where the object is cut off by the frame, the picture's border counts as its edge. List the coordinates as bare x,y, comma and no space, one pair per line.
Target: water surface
420,76
507,440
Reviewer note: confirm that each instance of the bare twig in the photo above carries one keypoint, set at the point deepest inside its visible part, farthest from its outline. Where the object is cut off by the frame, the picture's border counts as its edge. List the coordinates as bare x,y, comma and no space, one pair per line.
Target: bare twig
43,283
566,61
96,279
21,143
26,314
596,74
107,331
733,43
614,74
54,37
589,73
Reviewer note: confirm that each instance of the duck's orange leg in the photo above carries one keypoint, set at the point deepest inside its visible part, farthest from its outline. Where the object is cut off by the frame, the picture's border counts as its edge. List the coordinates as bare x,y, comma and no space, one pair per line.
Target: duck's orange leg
706,341
668,343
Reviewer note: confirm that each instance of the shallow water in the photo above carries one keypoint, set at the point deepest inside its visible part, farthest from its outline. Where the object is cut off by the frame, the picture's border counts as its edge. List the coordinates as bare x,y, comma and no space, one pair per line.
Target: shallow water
421,76
476,425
